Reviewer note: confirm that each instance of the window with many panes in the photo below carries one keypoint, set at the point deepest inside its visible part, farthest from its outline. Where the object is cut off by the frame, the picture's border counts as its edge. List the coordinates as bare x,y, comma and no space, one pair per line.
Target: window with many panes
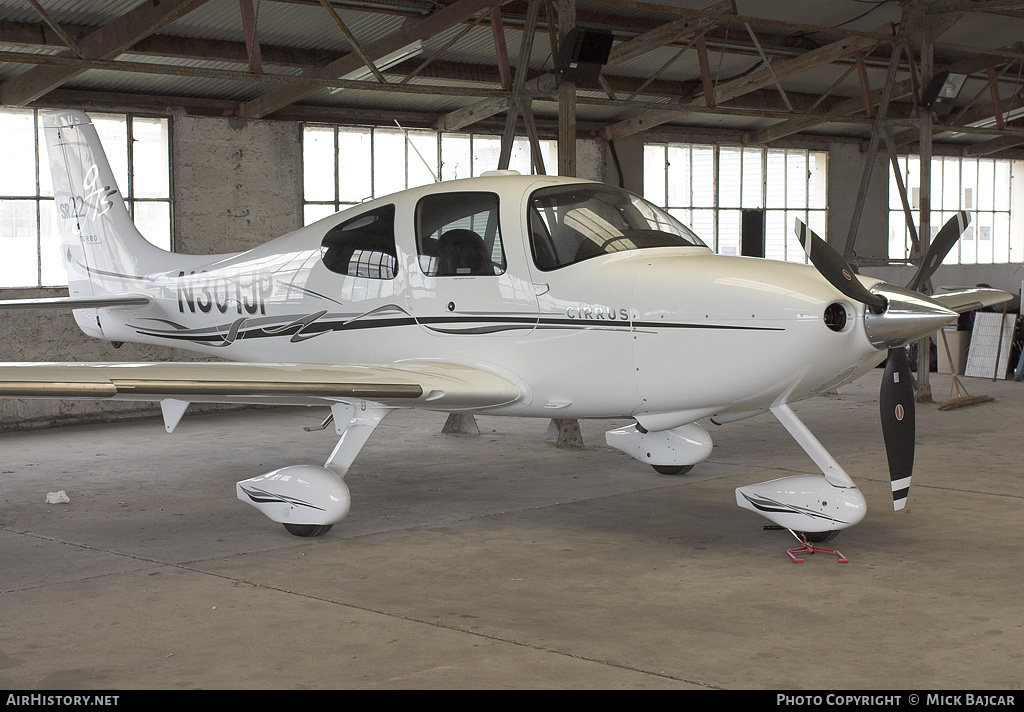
344,166
990,190
707,187
138,149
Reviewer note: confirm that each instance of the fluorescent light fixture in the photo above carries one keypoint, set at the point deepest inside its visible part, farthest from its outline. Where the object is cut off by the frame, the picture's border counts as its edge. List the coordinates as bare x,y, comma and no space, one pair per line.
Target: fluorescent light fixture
1012,115
385,62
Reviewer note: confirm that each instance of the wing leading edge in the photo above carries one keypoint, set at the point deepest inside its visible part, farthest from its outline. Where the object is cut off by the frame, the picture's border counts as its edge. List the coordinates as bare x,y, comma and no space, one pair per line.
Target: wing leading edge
963,300
113,300
438,386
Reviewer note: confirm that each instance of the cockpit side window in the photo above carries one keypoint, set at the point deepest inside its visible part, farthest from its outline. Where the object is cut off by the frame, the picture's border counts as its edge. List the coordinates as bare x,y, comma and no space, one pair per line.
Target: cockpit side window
458,234
363,246
569,224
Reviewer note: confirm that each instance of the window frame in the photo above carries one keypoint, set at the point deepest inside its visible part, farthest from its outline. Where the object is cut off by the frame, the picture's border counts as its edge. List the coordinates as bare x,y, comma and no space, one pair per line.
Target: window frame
1009,214
454,156
716,211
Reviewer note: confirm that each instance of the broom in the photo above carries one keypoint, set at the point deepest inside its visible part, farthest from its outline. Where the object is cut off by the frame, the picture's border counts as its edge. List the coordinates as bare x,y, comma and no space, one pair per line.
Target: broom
963,398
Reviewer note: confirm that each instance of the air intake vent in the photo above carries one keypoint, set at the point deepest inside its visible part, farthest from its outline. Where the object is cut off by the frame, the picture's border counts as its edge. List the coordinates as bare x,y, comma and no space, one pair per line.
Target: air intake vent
835,316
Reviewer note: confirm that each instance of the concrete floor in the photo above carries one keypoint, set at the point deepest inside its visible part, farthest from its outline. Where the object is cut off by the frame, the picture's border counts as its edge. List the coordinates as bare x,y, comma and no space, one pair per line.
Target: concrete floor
500,561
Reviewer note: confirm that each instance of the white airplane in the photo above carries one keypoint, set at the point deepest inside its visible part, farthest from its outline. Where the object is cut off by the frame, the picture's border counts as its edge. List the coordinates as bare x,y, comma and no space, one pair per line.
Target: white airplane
529,296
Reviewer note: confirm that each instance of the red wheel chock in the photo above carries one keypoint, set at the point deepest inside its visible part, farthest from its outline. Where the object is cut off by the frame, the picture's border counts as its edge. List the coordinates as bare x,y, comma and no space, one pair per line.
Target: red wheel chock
807,548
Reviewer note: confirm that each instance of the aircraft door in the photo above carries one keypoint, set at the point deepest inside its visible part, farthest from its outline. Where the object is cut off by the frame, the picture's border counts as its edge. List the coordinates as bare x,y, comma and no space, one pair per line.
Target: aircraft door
469,280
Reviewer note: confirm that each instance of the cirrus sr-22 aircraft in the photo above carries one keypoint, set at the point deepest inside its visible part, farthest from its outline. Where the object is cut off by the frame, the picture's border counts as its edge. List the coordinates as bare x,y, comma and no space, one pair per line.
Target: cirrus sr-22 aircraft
530,296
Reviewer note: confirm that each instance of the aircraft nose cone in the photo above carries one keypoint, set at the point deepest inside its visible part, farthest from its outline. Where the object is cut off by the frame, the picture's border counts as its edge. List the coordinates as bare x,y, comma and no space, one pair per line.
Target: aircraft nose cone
909,316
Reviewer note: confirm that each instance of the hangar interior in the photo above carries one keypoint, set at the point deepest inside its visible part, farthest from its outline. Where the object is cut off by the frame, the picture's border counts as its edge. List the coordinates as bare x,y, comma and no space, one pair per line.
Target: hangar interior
505,560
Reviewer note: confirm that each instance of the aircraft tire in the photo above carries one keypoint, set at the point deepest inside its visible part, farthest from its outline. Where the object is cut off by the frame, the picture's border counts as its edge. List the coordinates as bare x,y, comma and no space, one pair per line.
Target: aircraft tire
672,469
819,537
306,530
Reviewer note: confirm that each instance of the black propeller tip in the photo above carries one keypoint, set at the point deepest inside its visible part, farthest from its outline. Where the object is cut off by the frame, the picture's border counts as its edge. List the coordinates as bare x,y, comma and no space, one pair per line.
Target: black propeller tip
836,271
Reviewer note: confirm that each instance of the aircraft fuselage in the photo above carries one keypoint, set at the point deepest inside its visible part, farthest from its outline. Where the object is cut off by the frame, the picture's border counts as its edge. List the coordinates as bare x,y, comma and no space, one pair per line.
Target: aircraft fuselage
665,334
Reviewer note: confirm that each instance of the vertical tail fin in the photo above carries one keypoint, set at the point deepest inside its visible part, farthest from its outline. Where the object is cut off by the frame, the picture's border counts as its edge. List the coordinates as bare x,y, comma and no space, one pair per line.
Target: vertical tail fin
102,249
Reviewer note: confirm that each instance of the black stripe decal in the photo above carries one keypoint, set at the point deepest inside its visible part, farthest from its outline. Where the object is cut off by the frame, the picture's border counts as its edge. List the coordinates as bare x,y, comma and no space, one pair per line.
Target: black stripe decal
312,325
765,504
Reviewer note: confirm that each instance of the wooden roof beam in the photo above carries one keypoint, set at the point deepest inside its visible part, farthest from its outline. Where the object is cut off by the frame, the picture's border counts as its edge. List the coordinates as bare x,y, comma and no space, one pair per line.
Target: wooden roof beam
161,45
665,34
105,43
422,29
759,79
964,118
55,26
994,145
855,105
642,43
252,38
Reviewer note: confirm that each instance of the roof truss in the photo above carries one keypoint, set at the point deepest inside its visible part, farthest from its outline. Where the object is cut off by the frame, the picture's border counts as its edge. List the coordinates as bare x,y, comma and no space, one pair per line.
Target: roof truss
284,80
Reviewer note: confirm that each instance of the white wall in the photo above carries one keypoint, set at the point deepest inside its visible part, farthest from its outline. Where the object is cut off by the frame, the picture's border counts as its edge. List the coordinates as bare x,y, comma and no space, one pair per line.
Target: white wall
845,171
236,183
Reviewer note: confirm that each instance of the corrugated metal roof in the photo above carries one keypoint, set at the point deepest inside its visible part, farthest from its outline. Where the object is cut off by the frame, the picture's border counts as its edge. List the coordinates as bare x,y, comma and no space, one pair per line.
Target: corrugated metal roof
285,24
69,12
787,28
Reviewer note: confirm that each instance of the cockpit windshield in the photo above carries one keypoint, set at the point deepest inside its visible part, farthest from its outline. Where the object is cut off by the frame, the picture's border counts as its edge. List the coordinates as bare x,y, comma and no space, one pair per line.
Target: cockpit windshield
569,224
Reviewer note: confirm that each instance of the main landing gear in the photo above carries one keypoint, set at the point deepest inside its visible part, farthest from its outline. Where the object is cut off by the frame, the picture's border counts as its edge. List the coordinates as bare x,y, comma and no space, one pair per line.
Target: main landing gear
308,529
308,500
672,469
669,452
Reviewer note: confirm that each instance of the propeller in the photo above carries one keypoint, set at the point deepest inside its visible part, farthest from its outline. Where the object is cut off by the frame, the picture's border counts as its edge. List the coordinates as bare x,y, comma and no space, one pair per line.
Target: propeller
944,240
896,408
894,316
834,268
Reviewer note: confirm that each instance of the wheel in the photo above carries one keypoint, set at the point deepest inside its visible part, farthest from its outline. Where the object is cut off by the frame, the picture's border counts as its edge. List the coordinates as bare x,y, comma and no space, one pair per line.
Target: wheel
308,529
672,469
819,537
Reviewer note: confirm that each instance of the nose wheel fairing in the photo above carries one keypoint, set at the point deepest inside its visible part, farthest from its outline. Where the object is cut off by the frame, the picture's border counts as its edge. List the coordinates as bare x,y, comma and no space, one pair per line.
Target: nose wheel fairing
806,503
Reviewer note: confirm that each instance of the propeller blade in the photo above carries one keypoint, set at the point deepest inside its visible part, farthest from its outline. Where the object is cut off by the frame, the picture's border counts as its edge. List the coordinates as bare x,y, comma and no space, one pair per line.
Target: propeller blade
940,247
896,407
833,267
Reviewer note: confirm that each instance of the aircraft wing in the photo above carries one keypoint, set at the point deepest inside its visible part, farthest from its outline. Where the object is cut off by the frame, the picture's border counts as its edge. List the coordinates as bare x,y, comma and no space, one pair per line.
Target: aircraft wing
113,300
424,384
964,300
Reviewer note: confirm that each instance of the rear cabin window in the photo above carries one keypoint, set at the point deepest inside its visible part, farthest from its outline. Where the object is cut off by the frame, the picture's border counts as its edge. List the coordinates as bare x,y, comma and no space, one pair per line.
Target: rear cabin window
363,246
569,224
458,235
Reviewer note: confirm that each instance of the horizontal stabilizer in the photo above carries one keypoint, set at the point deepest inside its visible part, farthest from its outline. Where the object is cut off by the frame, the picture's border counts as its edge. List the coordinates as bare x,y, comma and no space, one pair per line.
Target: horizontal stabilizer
111,300
965,300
